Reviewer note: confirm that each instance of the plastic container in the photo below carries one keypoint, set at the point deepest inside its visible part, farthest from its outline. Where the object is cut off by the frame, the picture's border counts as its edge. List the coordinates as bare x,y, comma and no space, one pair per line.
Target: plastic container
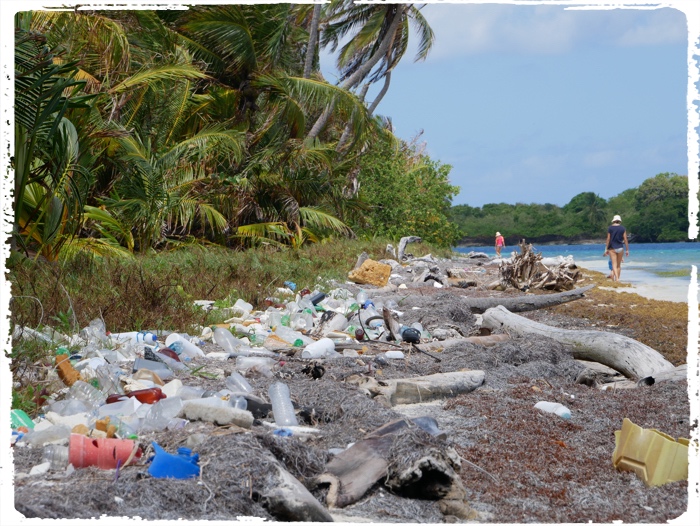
238,384
55,433
394,355
361,297
282,407
147,396
184,465
183,346
242,306
323,348
86,393
134,337
19,418
187,392
554,407
227,341
108,377
317,298
105,453
150,365
239,402
57,456
161,413
243,363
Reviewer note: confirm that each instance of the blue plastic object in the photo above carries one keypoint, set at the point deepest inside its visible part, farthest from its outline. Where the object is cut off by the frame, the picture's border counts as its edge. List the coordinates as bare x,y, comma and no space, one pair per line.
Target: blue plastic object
367,303
282,432
290,285
165,465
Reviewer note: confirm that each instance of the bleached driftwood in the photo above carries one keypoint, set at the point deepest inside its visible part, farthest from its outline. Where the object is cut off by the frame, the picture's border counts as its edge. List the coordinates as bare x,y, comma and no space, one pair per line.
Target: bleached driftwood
405,241
528,302
527,271
630,357
486,341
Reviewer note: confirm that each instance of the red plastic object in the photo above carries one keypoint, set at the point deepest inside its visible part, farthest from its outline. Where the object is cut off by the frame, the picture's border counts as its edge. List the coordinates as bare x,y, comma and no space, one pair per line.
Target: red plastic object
147,396
167,351
105,453
115,398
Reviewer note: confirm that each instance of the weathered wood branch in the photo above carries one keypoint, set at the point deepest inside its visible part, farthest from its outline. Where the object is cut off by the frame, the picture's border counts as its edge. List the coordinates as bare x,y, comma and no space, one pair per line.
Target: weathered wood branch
528,302
628,356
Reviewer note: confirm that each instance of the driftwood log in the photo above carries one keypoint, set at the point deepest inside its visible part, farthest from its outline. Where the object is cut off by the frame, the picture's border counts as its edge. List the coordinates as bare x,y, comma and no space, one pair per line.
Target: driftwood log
528,302
630,357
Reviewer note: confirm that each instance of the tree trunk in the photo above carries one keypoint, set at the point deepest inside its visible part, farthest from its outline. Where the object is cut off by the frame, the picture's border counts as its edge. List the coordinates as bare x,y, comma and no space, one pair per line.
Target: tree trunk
526,303
362,71
313,40
380,95
346,132
628,356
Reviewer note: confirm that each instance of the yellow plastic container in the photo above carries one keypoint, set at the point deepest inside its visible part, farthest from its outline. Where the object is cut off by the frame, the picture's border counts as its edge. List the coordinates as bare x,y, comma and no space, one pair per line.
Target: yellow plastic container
655,457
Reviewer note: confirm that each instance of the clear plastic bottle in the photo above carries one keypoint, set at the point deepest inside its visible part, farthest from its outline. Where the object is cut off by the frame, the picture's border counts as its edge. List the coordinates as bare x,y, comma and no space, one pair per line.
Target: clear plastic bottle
227,341
361,297
57,456
86,393
282,407
161,413
238,384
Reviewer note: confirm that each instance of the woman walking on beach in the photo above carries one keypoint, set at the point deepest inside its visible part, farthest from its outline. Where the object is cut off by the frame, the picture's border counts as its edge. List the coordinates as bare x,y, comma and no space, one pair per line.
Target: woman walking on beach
615,244
500,243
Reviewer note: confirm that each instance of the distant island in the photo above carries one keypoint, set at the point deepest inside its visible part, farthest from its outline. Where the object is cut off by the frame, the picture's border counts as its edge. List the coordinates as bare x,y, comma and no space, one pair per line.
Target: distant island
656,211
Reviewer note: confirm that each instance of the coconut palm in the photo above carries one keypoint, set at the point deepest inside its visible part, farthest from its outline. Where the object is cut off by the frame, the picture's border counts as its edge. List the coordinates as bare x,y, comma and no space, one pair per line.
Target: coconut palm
381,34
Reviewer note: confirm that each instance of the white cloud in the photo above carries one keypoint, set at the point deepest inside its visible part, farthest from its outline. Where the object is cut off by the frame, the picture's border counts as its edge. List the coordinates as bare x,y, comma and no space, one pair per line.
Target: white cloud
477,28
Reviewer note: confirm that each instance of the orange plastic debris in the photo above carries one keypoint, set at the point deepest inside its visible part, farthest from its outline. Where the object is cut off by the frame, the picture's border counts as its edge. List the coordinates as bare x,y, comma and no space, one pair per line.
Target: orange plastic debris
655,457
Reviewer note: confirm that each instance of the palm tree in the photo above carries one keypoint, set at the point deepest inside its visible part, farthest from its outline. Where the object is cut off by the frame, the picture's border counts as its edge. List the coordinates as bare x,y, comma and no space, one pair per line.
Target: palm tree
381,37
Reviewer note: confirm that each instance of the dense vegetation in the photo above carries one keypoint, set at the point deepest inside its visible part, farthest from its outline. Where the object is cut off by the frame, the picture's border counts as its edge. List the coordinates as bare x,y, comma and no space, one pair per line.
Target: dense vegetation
139,130
657,211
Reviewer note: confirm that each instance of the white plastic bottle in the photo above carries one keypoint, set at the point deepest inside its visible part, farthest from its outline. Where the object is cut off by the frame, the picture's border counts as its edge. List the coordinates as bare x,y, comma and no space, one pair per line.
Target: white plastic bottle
282,407
135,337
323,348
554,407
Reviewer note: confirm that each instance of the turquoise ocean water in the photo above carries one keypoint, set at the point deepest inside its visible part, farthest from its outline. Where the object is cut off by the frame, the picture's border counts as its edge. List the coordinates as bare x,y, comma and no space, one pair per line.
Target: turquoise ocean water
656,270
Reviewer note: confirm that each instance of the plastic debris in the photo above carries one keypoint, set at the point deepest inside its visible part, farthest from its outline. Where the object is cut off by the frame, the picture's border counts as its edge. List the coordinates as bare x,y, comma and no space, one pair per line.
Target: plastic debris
655,457
184,465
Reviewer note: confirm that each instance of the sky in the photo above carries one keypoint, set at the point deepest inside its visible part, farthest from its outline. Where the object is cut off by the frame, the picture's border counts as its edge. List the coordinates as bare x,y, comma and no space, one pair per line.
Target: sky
536,104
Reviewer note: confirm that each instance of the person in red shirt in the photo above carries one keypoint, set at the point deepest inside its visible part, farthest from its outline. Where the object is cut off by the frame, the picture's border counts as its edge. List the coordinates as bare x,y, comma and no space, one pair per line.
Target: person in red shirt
500,243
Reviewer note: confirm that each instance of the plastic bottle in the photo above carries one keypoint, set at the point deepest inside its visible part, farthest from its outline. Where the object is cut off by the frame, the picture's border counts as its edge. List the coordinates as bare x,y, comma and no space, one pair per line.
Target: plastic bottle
55,433
243,306
161,414
371,312
57,456
554,407
317,298
238,384
86,393
227,341
183,346
361,297
147,396
134,337
282,407
108,378
187,392
323,348
239,402
394,355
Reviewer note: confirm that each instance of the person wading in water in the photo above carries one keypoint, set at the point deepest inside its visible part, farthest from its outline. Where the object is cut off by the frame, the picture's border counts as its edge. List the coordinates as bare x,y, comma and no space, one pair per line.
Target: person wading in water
615,244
